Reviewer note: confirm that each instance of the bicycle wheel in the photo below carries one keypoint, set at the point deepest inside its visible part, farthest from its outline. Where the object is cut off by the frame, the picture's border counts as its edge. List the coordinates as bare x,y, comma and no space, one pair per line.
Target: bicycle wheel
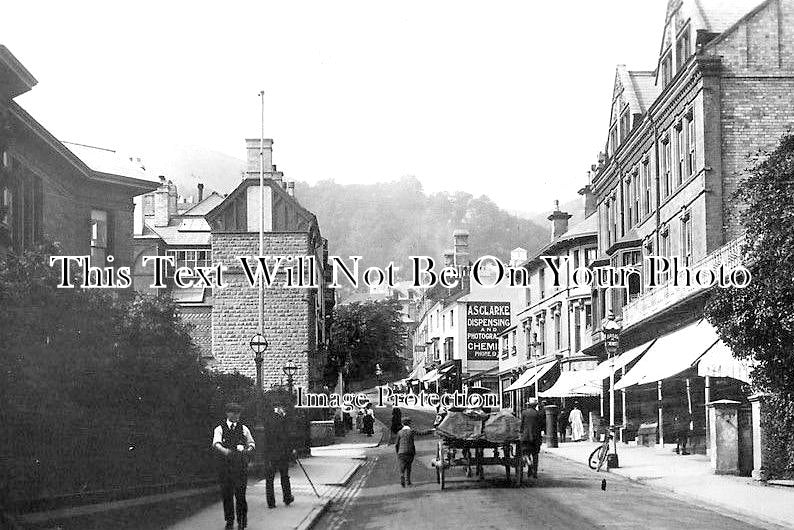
597,457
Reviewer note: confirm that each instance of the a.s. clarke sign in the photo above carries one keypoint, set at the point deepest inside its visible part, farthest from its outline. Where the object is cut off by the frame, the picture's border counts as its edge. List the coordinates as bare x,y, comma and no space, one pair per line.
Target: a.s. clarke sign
484,322
302,272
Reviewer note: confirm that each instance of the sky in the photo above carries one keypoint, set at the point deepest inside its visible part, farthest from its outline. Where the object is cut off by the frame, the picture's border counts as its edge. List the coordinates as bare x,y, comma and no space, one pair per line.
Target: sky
507,98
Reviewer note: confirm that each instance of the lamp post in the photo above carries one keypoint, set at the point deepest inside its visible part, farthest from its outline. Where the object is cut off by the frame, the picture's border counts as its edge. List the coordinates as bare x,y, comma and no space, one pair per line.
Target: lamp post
289,370
258,345
612,330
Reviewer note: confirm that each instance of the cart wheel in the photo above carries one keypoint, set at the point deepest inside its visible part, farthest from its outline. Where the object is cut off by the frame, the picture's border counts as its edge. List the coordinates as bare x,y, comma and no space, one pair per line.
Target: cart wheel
507,461
519,467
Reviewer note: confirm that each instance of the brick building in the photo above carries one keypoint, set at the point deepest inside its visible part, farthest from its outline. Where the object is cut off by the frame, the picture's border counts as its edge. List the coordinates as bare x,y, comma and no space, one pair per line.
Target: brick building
296,320
680,137
78,196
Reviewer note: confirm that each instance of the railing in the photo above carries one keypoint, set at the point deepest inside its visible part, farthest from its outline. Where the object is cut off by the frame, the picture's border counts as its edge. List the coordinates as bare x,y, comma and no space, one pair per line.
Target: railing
667,294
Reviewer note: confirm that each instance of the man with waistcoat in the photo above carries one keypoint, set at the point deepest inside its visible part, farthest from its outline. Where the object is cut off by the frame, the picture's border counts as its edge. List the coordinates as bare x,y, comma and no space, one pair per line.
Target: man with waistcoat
233,442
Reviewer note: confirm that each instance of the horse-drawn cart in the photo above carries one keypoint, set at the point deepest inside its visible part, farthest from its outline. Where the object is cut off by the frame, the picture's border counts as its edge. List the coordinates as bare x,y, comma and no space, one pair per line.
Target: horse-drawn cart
464,439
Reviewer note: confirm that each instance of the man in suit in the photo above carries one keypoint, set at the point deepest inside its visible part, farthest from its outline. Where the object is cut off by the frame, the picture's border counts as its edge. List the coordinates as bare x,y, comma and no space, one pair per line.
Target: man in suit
531,434
278,448
233,442
406,450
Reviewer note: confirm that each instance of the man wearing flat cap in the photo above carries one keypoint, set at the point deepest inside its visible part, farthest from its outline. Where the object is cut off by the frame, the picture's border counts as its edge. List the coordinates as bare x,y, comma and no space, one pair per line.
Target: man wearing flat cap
233,442
531,435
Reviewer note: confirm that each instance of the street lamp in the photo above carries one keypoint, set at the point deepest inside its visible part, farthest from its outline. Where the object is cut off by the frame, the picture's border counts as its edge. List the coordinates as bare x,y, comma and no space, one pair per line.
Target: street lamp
289,370
258,345
612,330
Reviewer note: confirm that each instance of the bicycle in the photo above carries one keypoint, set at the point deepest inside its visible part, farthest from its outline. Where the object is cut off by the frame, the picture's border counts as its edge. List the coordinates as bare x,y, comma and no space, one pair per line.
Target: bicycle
599,455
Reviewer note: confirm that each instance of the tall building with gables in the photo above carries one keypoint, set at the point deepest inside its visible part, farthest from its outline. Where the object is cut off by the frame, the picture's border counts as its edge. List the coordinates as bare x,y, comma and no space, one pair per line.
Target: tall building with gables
680,137
296,321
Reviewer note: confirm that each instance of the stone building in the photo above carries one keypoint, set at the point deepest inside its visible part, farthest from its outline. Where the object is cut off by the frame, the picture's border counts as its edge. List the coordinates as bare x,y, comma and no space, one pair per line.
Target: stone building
680,138
552,326
296,320
78,196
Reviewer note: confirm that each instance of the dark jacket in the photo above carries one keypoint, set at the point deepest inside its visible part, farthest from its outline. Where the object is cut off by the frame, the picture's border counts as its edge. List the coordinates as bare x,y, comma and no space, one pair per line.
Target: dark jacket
531,425
396,420
405,442
278,439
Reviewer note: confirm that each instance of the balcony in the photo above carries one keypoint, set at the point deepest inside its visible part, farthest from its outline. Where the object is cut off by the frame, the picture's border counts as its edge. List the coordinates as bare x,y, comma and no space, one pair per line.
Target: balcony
667,295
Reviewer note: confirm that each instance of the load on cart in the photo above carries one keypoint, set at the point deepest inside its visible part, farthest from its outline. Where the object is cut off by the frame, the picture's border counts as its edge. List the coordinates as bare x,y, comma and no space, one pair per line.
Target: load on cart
464,436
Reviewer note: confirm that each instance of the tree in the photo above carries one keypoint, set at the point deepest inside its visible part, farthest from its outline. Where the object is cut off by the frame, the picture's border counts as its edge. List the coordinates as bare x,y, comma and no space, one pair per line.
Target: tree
757,322
366,334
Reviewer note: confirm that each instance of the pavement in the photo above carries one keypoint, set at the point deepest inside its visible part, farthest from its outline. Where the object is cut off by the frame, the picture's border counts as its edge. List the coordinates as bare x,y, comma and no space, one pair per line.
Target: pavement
692,478
331,468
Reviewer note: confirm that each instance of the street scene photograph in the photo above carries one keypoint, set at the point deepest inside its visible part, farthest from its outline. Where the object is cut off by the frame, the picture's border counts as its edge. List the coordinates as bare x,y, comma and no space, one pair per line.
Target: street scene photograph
382,265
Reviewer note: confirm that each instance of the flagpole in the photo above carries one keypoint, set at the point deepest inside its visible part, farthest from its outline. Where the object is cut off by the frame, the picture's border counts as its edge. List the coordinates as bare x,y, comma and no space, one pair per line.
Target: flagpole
262,211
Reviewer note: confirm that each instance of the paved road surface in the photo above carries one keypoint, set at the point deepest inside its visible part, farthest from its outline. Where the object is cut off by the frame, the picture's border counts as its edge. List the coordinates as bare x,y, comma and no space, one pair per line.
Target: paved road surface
566,496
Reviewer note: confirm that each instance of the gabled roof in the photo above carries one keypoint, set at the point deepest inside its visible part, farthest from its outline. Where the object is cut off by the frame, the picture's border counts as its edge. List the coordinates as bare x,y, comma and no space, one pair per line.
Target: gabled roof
105,160
206,205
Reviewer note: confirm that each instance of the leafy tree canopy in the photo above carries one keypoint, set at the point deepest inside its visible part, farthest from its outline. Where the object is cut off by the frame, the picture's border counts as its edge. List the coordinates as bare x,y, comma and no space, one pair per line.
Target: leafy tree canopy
366,334
757,322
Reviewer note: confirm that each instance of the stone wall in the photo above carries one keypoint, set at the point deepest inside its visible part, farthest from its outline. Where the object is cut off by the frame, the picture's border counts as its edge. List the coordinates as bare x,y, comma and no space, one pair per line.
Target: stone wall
289,317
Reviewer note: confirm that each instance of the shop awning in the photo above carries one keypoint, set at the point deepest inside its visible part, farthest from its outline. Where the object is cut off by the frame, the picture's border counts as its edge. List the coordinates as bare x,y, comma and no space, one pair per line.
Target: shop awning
418,372
578,383
671,354
603,369
719,361
431,376
529,377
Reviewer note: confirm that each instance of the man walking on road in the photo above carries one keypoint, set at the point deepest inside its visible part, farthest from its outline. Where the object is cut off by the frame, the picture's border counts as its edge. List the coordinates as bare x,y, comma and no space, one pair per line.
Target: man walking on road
234,443
277,451
406,450
531,434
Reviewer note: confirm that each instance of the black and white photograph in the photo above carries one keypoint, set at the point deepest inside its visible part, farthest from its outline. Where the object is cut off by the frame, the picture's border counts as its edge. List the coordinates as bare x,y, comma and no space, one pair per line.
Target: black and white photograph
429,264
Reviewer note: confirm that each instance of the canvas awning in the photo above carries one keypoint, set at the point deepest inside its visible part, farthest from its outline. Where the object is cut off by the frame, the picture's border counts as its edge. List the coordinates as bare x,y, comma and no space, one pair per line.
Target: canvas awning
418,372
578,383
603,369
529,377
671,354
431,376
719,361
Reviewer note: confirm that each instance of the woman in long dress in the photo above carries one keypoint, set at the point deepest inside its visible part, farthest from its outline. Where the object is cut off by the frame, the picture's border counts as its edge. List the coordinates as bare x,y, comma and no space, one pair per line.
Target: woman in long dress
575,420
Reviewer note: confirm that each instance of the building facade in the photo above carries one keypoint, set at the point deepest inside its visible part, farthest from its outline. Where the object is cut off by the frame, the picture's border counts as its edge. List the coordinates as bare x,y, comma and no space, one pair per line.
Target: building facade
552,327
679,140
296,320
78,196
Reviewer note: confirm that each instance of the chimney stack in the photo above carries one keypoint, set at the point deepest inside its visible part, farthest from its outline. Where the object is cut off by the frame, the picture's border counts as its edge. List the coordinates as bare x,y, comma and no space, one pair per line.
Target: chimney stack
172,199
161,207
517,256
200,192
589,200
252,158
461,254
559,221
449,258
291,188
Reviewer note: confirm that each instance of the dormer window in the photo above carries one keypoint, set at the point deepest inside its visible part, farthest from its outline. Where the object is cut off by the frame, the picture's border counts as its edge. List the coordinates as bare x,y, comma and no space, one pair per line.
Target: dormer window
667,68
682,49
625,125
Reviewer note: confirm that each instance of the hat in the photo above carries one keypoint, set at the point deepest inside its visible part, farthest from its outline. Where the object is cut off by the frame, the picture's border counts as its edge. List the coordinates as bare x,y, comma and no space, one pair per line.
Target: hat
406,420
532,401
233,407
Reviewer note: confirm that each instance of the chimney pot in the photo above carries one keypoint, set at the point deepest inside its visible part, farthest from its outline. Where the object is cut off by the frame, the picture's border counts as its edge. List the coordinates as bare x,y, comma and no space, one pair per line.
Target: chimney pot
200,192
559,221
